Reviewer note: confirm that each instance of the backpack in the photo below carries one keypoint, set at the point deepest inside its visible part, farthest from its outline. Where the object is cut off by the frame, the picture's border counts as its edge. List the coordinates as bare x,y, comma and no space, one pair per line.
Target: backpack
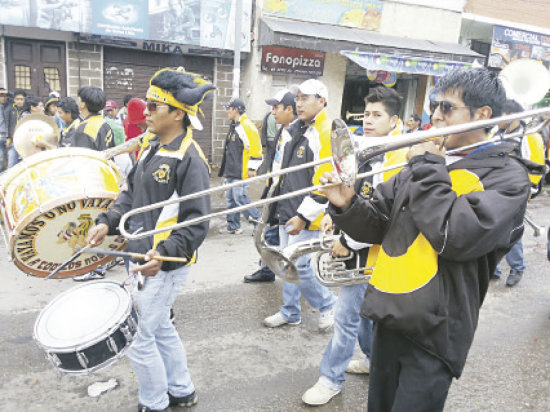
118,131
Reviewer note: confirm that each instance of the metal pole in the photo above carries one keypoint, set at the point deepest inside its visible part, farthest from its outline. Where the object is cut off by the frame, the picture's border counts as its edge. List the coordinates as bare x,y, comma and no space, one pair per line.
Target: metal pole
237,47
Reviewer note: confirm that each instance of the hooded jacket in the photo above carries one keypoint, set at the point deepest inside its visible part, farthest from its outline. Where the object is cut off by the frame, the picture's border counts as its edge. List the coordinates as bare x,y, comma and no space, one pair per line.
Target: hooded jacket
442,231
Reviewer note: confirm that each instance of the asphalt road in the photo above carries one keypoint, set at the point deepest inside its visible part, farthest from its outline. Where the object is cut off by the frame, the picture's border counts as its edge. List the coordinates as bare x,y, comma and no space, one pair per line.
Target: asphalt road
239,365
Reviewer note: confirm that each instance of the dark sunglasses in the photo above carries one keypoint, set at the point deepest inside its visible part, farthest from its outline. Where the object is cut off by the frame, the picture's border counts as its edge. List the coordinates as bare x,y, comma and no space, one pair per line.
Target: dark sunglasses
445,106
153,106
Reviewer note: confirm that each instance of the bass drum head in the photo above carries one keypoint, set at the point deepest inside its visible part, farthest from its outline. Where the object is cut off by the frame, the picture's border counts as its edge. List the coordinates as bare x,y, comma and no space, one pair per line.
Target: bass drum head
82,316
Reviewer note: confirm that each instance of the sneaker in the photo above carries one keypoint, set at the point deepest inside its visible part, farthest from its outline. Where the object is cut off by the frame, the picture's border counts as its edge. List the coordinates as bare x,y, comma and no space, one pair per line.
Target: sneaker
172,316
188,400
514,277
277,320
93,275
143,408
326,319
112,263
260,276
359,366
226,231
318,394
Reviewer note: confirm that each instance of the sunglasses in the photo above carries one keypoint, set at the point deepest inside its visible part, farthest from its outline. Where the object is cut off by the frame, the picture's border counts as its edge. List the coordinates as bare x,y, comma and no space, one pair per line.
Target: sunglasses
444,106
153,106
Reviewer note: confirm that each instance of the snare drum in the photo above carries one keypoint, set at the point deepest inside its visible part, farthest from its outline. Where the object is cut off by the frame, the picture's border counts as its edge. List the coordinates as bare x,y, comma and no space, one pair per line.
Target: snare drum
87,327
49,201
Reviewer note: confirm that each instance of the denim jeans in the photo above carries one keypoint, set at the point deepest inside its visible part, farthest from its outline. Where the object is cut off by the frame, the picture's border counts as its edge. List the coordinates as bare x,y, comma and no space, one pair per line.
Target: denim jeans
13,156
316,294
272,239
238,196
157,355
3,154
348,326
514,258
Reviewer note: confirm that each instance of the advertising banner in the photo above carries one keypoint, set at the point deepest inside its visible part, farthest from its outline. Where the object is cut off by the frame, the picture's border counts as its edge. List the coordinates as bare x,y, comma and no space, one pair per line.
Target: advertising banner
365,14
121,19
296,61
510,44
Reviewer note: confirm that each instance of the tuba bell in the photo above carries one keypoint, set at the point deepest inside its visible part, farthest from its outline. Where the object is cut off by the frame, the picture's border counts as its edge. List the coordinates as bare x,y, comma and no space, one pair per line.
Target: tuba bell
526,80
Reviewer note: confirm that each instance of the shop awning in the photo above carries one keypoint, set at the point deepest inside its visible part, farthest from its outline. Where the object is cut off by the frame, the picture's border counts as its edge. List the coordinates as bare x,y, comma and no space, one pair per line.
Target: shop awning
335,39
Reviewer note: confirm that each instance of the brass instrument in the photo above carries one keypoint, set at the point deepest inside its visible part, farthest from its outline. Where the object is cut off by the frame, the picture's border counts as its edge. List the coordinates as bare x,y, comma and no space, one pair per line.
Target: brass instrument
354,116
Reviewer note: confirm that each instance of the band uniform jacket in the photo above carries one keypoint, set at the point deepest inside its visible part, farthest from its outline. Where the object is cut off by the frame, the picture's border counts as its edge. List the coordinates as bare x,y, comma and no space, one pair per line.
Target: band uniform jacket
442,231
93,133
162,173
242,149
308,143
67,133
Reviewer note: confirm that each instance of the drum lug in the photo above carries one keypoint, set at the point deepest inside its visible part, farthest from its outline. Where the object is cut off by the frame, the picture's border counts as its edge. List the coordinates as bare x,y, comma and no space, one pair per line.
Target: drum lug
82,359
132,323
127,334
111,344
52,357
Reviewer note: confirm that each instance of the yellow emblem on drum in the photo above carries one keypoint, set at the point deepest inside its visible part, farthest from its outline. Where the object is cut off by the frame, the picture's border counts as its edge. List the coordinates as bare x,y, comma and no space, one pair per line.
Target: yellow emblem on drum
162,174
75,235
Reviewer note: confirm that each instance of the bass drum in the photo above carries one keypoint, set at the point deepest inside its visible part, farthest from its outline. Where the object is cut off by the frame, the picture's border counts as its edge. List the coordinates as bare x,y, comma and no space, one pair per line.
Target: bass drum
78,337
49,202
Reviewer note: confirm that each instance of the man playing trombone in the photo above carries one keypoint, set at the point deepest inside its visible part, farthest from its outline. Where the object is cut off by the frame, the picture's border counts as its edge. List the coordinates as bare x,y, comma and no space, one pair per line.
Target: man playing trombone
443,224
299,217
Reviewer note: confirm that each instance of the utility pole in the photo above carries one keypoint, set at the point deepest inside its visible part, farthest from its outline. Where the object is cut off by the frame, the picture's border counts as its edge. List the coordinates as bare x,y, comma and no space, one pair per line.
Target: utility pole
237,47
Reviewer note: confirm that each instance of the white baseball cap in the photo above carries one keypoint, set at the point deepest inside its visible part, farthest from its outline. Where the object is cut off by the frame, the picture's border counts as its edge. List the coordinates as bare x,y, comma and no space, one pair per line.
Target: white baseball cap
313,86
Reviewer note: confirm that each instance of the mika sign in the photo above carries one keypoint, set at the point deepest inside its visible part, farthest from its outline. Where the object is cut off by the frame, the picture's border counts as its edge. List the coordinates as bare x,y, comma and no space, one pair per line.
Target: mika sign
296,61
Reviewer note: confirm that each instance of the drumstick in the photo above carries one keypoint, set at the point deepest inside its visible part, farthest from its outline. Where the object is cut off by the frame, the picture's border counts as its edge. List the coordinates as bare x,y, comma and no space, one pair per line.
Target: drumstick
134,255
64,264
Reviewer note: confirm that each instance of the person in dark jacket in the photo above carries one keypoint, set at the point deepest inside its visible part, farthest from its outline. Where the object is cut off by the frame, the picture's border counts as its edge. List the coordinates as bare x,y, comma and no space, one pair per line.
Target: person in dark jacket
67,110
443,224
8,121
172,165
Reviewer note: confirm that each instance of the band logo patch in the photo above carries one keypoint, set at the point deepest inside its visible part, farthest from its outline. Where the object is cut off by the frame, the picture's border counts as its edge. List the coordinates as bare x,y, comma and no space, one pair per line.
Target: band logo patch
300,152
162,174
366,190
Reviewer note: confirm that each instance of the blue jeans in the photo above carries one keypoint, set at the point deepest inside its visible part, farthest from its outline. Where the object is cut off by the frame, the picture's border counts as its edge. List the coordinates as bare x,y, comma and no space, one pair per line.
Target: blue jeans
3,153
157,355
13,156
348,326
272,239
316,294
238,196
514,258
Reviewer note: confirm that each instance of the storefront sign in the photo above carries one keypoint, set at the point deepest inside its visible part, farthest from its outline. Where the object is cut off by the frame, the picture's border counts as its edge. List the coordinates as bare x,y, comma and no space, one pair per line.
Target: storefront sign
205,23
401,64
297,61
510,44
365,14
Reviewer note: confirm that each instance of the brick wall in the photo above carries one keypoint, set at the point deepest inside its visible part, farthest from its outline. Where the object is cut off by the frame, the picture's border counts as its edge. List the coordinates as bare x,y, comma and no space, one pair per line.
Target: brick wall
223,79
91,66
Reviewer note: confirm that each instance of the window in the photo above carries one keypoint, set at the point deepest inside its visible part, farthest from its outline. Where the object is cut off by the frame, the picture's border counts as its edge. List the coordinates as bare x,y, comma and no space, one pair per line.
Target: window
23,77
51,79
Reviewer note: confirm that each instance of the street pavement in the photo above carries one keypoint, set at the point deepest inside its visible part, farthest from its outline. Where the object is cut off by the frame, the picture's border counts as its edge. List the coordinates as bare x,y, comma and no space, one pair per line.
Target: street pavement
239,365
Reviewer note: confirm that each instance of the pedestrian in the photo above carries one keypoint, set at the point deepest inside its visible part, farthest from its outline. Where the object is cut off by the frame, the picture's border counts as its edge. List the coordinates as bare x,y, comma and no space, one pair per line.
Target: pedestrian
413,123
19,97
67,110
50,108
8,120
269,143
381,118
283,110
300,216
173,165
443,224
242,156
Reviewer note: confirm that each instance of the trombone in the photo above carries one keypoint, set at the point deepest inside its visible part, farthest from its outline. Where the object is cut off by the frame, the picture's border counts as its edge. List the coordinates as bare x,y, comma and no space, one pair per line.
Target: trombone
345,156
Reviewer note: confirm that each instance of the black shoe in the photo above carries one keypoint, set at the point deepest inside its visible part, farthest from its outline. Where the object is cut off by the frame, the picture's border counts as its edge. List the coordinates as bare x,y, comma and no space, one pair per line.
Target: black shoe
172,316
494,277
514,277
188,400
143,408
259,276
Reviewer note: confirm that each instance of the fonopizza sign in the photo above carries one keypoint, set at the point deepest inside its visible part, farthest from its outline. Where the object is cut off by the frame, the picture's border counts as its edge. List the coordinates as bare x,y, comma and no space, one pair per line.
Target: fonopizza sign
296,61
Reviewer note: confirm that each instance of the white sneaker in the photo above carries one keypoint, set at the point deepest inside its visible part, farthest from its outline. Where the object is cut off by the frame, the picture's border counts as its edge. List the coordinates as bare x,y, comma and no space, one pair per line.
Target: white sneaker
318,394
277,320
226,231
326,319
359,366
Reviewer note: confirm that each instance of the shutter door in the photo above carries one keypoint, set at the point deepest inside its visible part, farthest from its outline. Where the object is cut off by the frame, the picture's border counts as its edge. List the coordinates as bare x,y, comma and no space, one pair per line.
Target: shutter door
128,71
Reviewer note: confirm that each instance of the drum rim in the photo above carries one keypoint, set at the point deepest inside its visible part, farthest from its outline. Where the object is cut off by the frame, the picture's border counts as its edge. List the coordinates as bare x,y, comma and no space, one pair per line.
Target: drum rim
78,348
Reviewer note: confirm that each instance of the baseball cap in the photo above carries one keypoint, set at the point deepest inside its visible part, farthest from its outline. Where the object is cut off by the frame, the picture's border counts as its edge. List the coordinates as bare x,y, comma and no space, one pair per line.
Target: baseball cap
136,107
285,96
313,86
235,103
110,104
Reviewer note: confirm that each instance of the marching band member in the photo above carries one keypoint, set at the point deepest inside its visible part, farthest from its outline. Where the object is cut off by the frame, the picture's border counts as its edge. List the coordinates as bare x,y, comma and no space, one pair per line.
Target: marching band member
173,165
300,216
442,230
381,118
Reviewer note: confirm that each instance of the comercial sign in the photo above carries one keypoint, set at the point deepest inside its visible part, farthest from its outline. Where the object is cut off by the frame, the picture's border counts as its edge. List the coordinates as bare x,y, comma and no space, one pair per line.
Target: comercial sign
296,61
510,44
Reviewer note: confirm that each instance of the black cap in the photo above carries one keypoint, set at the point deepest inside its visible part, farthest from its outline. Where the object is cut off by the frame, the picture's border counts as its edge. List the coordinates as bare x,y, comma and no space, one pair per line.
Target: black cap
235,103
286,97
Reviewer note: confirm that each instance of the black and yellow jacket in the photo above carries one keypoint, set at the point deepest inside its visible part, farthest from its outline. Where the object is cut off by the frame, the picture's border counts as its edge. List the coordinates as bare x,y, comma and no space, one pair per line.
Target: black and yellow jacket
442,231
93,133
308,143
242,150
162,173
67,133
